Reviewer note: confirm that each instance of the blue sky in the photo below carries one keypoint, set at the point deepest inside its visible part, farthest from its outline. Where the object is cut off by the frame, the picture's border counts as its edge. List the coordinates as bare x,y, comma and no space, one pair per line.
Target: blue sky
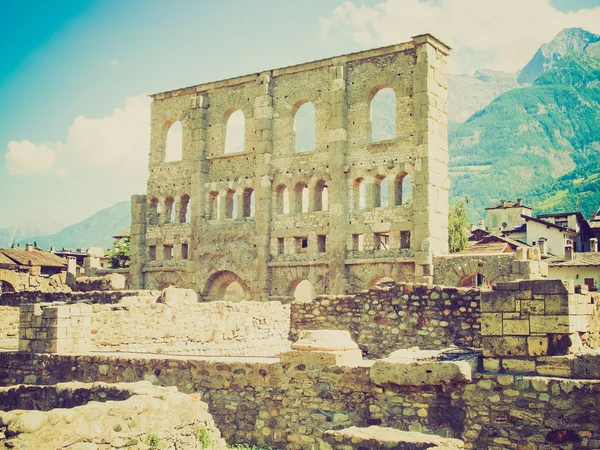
72,73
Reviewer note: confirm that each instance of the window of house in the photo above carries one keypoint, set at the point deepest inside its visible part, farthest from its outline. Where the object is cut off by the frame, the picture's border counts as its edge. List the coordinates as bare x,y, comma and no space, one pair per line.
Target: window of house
382,241
301,245
322,243
184,251
167,252
357,242
281,246
174,148
249,203
152,253
185,212
405,239
304,128
383,115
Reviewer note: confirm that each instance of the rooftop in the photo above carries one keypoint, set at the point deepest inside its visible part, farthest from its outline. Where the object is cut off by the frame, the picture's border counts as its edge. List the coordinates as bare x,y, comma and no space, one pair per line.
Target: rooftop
23,257
579,259
509,204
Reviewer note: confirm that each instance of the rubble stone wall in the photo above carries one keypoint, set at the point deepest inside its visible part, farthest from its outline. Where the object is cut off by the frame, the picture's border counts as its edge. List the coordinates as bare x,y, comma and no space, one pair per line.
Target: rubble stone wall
392,316
290,406
451,270
139,324
17,298
9,327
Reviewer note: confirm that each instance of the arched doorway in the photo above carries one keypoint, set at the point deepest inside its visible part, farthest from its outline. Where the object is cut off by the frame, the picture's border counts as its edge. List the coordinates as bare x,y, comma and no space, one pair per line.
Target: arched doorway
303,290
5,286
227,286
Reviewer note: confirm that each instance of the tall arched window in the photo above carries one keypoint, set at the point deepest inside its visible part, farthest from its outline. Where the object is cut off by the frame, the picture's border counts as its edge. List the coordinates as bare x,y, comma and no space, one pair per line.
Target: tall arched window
184,209
402,189
234,136
249,203
380,192
321,198
153,213
231,205
301,200
283,199
174,150
305,127
169,210
360,193
213,204
383,115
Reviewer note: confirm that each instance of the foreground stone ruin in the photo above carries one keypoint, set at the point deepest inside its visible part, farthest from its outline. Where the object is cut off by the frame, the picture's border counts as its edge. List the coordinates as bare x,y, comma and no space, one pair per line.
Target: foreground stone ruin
104,416
314,389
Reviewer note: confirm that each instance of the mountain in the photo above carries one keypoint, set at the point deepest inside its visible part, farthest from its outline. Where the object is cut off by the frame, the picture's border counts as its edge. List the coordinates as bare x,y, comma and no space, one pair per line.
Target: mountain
28,228
529,137
467,94
95,231
567,41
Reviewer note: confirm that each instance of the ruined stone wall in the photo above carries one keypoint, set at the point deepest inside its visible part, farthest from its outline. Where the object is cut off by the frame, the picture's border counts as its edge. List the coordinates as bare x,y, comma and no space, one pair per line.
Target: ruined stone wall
23,281
206,245
15,299
392,316
451,270
265,403
140,324
9,327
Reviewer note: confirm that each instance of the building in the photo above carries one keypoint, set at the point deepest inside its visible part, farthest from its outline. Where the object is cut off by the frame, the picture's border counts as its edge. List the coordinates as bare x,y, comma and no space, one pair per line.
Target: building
582,268
18,266
269,213
506,215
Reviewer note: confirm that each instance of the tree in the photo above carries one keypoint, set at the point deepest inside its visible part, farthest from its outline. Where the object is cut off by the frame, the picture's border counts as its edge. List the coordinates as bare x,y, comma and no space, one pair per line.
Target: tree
119,254
458,223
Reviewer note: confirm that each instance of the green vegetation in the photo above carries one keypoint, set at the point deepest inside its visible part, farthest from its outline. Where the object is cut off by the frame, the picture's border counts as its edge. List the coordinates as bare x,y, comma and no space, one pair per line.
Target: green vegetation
537,140
458,223
203,437
119,254
246,447
152,441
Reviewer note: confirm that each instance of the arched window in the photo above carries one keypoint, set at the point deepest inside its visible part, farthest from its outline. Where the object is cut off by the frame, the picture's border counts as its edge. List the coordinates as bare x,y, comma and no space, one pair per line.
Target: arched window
153,213
231,205
283,199
169,210
301,200
406,189
321,199
234,293
380,192
5,286
249,203
213,204
360,194
184,209
304,127
174,150
305,291
383,115
234,136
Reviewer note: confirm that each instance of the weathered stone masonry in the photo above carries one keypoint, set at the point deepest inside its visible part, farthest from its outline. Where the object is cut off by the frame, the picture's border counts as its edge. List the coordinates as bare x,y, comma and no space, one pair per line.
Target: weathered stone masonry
259,245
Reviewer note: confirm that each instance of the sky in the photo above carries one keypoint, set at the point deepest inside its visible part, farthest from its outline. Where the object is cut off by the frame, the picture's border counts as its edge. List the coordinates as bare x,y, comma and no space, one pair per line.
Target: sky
75,74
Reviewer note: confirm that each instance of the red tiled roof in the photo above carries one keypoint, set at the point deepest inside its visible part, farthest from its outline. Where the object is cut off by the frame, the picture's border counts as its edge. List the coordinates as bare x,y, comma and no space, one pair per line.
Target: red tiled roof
33,258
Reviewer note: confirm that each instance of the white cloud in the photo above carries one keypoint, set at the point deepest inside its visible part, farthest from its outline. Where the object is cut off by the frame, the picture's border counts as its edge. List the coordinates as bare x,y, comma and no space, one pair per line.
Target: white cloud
27,158
116,143
500,35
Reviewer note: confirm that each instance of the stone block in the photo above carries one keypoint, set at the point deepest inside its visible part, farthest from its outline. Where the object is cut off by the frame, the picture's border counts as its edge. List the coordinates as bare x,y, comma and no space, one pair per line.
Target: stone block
498,301
551,324
516,327
555,366
491,364
552,287
534,307
518,365
506,286
537,345
176,296
491,324
496,346
557,303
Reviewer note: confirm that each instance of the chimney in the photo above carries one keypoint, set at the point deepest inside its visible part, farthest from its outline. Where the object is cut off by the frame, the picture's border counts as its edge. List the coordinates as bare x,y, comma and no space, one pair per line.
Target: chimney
29,247
519,202
543,245
592,215
568,251
503,203
593,245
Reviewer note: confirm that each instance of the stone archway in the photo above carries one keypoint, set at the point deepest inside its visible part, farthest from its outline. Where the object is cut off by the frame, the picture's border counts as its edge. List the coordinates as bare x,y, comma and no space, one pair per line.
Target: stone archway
11,282
302,290
226,285
464,273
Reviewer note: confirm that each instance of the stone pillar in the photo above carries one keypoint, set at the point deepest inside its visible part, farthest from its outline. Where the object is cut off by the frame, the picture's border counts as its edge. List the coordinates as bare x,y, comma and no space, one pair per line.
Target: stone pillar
55,328
338,204
137,249
431,183
263,126
529,326
199,176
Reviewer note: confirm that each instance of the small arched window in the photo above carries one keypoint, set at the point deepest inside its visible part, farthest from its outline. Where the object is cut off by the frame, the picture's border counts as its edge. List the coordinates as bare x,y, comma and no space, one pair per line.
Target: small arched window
235,133
249,203
321,198
231,205
304,128
383,115
380,192
213,204
153,213
360,194
301,200
283,199
184,209
169,210
174,149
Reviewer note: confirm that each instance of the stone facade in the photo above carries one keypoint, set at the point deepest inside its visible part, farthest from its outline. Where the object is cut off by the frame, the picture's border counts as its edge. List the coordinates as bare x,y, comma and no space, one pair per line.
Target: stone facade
214,218
453,270
393,315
